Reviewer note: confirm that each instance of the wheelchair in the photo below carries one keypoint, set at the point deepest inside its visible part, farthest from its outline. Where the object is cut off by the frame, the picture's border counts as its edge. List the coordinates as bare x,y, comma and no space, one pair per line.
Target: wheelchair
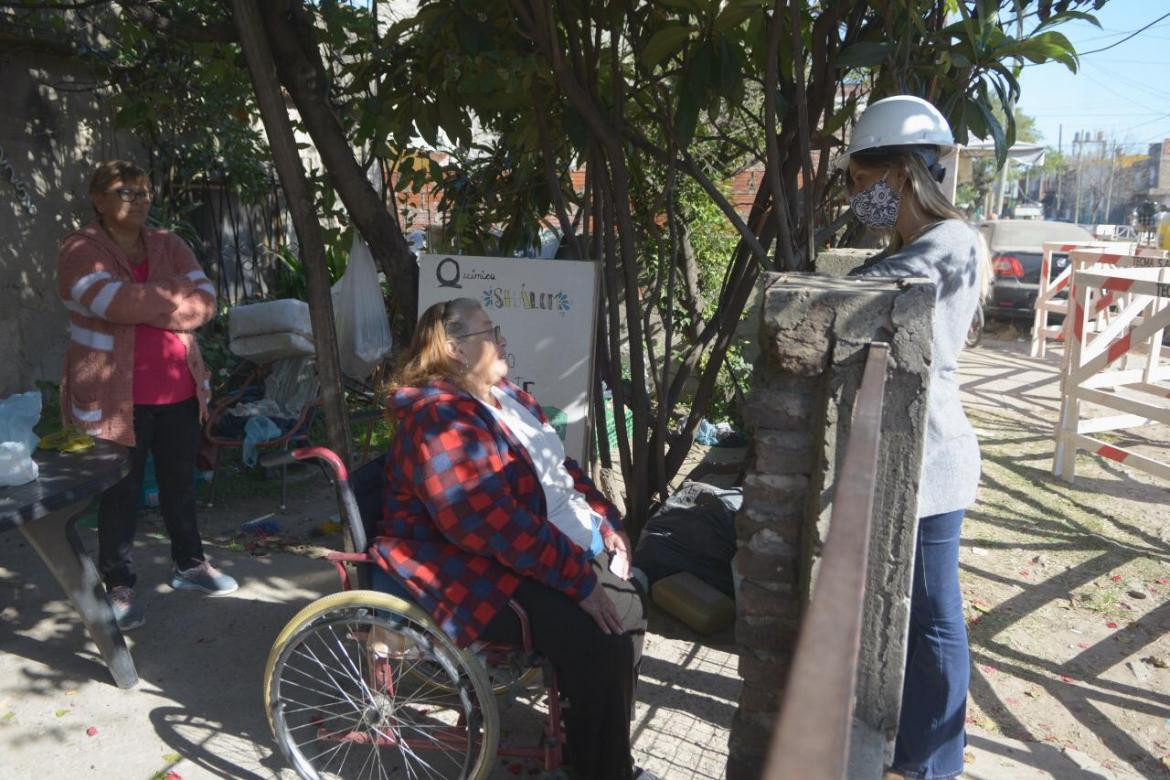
363,683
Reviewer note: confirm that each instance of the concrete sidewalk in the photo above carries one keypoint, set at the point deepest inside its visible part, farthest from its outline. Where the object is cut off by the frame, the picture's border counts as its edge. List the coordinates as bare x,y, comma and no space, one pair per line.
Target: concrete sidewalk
198,710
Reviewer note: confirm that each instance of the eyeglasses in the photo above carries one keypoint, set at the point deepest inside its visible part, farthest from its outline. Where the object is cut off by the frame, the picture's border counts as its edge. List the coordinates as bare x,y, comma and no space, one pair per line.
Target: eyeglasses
494,330
128,195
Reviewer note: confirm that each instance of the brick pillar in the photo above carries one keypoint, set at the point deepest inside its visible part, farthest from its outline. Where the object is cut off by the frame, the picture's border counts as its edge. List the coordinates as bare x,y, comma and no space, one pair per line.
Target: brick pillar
814,331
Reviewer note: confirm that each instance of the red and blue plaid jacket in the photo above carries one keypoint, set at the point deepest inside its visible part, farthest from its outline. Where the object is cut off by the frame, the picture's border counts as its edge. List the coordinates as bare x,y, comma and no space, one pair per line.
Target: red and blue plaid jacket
465,517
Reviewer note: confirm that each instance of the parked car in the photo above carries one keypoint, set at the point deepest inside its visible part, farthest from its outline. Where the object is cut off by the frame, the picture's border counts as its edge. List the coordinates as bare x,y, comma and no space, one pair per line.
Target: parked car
1017,249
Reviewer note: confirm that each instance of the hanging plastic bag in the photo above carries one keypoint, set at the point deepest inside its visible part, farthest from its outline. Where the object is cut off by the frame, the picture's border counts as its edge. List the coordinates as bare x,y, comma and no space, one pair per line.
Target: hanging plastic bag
363,331
18,415
258,430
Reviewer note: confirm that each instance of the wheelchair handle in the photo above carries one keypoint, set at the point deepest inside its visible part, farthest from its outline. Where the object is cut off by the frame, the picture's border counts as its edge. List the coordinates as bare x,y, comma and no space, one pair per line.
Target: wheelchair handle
286,457
345,495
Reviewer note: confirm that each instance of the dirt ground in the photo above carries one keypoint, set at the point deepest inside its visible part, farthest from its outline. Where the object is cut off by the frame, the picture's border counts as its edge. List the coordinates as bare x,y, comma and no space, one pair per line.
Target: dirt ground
1067,586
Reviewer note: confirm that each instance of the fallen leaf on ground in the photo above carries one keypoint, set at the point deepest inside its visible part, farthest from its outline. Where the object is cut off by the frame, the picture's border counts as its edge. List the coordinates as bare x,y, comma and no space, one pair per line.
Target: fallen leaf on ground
1110,624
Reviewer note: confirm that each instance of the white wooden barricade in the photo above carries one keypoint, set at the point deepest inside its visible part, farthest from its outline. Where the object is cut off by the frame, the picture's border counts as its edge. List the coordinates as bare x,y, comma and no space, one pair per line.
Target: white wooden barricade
1046,301
1122,367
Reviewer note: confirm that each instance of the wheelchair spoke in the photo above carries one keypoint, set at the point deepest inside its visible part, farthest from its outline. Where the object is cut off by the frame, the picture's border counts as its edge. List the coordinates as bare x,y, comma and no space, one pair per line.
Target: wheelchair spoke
361,695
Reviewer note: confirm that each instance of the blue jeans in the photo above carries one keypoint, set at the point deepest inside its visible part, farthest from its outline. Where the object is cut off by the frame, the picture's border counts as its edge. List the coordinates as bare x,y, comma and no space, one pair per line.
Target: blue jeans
932,728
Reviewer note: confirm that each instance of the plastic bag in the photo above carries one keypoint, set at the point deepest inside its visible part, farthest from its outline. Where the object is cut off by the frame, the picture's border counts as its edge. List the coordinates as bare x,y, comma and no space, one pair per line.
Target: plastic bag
363,331
18,415
694,531
258,430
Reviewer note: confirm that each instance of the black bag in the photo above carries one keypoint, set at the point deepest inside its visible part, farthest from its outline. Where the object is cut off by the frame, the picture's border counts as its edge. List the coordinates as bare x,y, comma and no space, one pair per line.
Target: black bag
693,531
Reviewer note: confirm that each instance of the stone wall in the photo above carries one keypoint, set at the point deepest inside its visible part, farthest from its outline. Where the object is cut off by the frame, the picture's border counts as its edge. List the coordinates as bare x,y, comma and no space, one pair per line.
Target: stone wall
814,332
52,132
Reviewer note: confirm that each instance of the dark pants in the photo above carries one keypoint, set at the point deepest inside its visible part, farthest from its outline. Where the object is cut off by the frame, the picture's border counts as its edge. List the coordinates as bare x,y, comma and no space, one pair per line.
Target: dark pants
597,672
171,433
932,728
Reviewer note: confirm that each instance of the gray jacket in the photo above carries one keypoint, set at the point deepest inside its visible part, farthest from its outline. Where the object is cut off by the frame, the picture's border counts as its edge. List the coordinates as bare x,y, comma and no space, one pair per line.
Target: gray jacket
947,254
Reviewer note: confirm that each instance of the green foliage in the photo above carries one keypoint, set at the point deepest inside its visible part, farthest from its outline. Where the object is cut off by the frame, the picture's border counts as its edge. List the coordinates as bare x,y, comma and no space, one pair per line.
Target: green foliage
213,345
191,102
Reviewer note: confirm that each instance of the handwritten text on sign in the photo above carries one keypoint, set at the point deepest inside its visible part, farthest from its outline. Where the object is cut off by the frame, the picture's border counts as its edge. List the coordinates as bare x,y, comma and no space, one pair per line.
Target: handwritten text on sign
545,310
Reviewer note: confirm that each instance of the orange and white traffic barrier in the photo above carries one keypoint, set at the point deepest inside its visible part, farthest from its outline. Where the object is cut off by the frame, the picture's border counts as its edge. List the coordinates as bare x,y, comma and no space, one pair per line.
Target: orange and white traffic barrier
1048,299
1116,364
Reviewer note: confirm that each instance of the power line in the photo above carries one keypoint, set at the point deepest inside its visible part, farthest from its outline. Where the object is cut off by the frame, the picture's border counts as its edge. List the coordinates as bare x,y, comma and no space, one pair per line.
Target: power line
1107,33
1126,38
1085,113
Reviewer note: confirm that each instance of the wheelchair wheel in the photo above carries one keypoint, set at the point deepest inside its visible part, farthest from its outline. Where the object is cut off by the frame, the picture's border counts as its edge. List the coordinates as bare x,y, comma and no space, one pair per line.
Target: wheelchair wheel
363,684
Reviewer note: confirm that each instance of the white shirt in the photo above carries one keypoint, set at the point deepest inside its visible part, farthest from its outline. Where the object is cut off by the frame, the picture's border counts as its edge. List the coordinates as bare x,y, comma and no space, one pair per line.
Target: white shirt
567,508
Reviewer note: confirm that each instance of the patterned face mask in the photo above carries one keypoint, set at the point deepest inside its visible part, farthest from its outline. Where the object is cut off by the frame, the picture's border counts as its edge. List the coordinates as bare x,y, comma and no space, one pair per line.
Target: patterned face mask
877,205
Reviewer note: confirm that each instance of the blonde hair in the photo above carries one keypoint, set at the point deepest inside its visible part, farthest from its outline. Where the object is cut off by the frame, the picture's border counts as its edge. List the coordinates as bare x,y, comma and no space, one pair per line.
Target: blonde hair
929,198
426,359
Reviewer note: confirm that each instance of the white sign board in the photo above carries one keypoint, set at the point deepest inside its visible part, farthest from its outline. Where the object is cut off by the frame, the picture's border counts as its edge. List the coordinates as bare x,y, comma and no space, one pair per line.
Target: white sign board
545,310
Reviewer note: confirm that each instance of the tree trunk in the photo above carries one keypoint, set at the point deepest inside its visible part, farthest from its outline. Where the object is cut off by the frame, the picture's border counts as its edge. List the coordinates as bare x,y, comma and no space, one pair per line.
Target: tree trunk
300,204
301,72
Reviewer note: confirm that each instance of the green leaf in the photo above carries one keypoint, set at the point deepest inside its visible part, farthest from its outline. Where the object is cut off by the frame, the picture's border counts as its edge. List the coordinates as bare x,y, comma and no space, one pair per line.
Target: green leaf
837,120
665,42
686,117
1068,16
864,54
995,129
686,6
736,12
729,69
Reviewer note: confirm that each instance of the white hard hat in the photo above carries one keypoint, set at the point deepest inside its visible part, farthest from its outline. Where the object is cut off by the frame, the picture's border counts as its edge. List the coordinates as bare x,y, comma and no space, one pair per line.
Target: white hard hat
901,120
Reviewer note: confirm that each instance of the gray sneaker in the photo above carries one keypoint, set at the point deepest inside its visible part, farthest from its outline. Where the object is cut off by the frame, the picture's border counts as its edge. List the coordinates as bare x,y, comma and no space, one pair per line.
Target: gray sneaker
205,577
127,610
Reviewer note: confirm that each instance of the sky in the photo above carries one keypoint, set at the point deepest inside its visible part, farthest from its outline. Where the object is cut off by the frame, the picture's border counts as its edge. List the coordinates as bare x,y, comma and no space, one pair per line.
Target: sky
1123,92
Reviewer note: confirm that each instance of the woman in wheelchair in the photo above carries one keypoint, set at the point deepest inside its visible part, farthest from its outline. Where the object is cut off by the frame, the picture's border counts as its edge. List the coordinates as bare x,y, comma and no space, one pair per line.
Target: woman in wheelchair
482,507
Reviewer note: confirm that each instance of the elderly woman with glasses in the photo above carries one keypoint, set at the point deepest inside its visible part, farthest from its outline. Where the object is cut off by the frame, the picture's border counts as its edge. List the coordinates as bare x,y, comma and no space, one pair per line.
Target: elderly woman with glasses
483,507
133,373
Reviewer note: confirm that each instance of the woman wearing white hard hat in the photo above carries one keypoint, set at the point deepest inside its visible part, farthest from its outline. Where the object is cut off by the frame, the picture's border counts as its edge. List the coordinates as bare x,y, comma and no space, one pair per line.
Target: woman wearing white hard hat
892,173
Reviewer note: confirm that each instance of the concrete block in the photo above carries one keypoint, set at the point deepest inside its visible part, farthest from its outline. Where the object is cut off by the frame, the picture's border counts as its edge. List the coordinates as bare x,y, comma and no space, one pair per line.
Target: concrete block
760,666
766,633
779,601
839,262
761,566
784,452
784,518
782,404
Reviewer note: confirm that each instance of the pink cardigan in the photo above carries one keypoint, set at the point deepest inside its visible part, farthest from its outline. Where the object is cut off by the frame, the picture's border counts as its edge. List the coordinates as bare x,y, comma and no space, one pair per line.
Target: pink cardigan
105,303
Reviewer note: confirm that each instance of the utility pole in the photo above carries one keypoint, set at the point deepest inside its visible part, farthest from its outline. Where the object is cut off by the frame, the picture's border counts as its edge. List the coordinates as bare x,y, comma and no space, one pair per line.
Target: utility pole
1078,147
1060,174
1109,183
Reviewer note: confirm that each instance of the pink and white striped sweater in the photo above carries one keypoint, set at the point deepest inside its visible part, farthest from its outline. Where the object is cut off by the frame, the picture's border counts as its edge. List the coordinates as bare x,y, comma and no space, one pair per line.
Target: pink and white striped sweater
95,282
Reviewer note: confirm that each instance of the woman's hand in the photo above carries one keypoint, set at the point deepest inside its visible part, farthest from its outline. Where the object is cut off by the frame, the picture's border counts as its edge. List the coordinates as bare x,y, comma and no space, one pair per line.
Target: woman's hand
601,609
618,545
